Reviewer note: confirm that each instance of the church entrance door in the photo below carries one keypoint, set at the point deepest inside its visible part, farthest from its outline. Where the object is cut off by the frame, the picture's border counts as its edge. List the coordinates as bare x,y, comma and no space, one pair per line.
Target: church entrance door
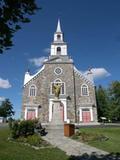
31,114
86,116
62,110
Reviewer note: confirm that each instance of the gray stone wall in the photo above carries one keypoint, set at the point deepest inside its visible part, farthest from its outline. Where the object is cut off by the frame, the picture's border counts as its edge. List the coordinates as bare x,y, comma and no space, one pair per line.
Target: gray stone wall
85,101
72,81
67,77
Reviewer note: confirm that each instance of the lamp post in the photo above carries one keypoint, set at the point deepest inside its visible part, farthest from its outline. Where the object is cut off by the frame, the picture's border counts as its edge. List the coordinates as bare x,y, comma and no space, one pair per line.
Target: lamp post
39,107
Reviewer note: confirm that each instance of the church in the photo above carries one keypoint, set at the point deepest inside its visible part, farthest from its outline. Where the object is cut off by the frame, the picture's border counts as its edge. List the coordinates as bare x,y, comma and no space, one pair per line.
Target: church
77,92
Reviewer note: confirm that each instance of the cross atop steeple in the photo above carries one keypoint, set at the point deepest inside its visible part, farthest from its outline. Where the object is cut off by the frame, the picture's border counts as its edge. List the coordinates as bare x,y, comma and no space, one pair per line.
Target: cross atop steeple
58,26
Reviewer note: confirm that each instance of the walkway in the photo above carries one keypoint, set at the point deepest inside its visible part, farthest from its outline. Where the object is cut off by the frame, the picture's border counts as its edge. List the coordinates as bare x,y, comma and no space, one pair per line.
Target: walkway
71,147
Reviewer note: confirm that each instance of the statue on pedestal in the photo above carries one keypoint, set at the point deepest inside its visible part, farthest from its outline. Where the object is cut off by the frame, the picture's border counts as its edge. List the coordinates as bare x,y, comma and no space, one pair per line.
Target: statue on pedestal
56,90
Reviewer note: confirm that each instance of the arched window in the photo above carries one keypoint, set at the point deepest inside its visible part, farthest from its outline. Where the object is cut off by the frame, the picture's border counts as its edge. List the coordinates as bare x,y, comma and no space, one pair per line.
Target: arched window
58,81
58,50
84,90
58,37
32,91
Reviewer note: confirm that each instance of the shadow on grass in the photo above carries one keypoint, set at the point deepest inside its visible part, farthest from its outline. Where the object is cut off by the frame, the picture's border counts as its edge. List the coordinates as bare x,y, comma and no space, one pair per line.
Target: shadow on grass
94,156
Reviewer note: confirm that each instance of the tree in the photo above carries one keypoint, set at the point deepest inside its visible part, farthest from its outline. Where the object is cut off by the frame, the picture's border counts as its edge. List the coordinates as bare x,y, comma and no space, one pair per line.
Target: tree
12,14
102,102
6,109
114,92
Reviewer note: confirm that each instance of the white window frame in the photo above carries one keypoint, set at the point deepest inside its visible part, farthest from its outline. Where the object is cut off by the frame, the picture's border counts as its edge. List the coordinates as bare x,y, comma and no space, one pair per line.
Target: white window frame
90,110
82,90
30,91
34,108
60,81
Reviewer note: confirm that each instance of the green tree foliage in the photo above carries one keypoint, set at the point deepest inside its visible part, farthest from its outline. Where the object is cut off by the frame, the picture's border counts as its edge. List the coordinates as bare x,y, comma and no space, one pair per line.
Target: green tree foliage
12,14
114,92
108,101
6,109
102,102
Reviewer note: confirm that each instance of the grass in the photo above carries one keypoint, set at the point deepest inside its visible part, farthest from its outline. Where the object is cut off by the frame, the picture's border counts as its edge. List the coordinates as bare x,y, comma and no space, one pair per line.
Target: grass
110,145
16,151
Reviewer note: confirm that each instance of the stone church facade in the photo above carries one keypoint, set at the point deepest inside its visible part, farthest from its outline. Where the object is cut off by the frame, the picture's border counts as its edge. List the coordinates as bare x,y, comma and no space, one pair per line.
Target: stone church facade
77,94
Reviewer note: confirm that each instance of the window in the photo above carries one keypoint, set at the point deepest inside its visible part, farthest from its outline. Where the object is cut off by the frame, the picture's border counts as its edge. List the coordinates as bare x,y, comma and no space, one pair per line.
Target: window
86,110
58,81
84,90
58,50
58,71
32,91
58,37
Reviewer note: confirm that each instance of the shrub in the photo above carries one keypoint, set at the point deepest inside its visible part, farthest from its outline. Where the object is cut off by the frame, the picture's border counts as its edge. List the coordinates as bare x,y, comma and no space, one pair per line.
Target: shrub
21,139
10,121
14,127
34,140
26,128
22,128
86,137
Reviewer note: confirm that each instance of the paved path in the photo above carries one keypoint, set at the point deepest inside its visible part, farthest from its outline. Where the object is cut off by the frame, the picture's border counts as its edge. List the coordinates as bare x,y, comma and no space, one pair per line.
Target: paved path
71,147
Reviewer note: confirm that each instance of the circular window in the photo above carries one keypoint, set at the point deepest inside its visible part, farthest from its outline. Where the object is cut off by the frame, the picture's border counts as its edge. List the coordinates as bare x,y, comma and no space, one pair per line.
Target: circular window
58,70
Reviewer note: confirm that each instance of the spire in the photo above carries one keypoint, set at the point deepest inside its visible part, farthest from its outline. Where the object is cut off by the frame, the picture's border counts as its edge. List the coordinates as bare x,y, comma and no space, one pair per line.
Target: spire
58,26
58,47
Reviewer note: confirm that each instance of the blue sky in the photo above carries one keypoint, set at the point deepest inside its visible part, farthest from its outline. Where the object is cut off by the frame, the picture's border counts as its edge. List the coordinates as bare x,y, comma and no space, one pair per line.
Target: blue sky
92,32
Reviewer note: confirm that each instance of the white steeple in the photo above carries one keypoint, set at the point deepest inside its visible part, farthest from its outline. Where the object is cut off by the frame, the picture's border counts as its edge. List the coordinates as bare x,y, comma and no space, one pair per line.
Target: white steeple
58,26
58,47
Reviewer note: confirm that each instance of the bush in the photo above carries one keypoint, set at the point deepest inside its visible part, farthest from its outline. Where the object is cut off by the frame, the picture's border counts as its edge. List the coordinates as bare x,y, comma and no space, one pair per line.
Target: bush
26,128
86,137
34,140
14,127
10,121
22,128
21,139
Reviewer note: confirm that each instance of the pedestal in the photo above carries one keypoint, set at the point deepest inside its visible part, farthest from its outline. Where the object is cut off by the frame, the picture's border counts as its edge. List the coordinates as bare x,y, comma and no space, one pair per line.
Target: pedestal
56,114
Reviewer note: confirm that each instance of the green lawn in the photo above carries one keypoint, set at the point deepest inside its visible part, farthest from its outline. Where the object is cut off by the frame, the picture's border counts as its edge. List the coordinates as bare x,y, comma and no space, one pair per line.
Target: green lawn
111,145
15,151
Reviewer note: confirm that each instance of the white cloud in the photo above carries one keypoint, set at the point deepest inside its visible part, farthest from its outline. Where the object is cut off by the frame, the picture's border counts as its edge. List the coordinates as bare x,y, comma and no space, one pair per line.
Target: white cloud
2,99
4,83
46,50
98,73
38,61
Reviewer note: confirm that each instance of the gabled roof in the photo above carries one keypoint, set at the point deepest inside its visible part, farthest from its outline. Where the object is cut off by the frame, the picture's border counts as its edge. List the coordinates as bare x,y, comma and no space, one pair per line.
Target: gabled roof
83,76
29,77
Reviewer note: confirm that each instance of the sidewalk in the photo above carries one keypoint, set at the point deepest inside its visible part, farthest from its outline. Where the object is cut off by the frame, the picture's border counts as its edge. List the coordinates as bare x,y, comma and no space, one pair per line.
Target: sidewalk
71,147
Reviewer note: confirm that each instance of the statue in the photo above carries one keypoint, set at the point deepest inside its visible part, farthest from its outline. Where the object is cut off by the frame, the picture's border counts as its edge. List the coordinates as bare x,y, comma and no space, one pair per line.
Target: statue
56,89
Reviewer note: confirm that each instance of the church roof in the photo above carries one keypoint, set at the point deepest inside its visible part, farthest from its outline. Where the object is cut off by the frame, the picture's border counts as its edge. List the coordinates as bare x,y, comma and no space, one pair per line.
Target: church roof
60,58
29,77
58,26
84,77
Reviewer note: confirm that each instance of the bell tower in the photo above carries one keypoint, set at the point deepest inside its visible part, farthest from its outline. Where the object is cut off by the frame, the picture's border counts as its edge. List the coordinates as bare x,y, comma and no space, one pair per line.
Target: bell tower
58,47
